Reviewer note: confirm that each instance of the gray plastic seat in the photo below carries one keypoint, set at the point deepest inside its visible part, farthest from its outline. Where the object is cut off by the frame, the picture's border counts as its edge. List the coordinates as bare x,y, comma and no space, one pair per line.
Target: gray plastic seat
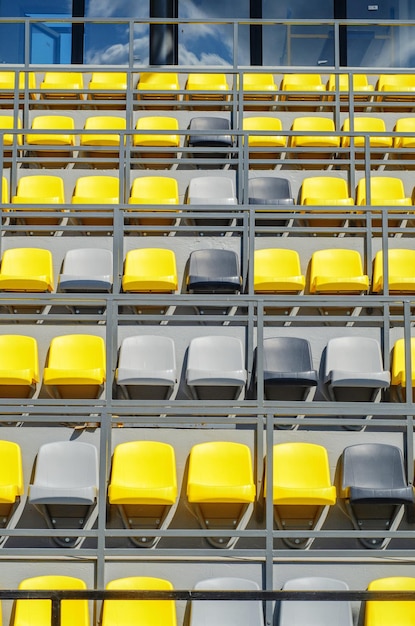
288,368
216,368
230,612
65,485
270,191
353,370
315,612
212,132
373,487
87,269
147,367
211,190
214,271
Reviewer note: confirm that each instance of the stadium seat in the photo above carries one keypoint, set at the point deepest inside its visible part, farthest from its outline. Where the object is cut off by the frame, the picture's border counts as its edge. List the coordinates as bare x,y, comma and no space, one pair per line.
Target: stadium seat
215,191
11,482
221,487
404,144
258,90
231,612
26,269
367,125
155,136
86,270
150,270
214,271
330,191
396,88
374,488
270,145
106,139
277,270
144,612
216,368
19,366
287,369
384,191
302,489
65,486
214,88
7,122
108,86
147,367
148,190
271,191
353,369
389,612
159,87
307,142
75,367
96,190
143,486
311,613
63,137
401,271
302,88
4,191
62,86
399,374
8,85
336,270
211,132
362,90
39,612
39,190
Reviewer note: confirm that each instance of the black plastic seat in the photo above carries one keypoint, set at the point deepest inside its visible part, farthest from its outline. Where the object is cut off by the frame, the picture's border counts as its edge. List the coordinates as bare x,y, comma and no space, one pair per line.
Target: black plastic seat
214,271
288,368
374,487
214,133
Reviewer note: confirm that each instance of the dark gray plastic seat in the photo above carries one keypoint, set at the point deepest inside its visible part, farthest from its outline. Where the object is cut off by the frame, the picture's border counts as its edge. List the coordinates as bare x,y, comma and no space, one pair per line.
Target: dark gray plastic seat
147,367
270,191
212,132
353,370
214,271
315,612
374,486
65,485
87,269
288,368
216,367
230,612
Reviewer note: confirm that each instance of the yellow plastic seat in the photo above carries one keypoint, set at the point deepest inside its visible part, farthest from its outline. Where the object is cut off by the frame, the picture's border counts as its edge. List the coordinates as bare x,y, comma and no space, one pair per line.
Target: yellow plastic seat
39,612
390,612
147,190
7,122
402,86
96,190
258,89
220,485
401,271
19,366
215,86
362,90
367,125
398,368
143,485
308,142
404,125
150,270
75,366
153,138
108,86
106,139
63,124
62,86
26,269
337,271
325,191
301,487
277,271
273,142
5,199
8,84
39,190
302,88
11,482
384,191
158,86
143,612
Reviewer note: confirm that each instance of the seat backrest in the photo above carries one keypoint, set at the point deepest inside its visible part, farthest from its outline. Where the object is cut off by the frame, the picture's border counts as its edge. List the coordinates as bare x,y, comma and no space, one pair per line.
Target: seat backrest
19,352
257,81
372,465
401,263
212,263
268,190
398,372
77,352
325,124
216,352
231,612
150,262
147,353
11,471
390,612
88,262
324,187
39,612
154,190
381,187
63,80
143,612
207,82
27,262
96,189
158,81
211,190
276,263
67,464
395,82
287,354
109,80
354,354
301,465
262,123
336,262
359,82
302,82
313,613
104,122
42,186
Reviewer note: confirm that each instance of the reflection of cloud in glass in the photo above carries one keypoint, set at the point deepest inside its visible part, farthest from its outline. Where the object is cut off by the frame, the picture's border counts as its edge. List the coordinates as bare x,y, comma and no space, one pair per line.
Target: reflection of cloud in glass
116,8
117,52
